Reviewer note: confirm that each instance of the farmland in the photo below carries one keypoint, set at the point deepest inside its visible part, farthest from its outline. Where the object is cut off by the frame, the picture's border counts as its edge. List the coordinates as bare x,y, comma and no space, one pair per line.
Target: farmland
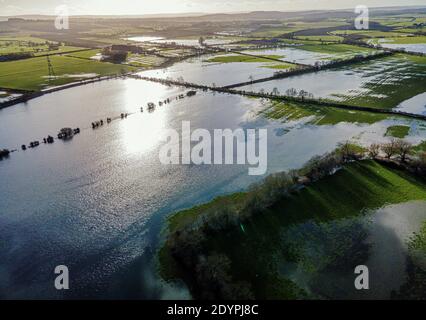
33,74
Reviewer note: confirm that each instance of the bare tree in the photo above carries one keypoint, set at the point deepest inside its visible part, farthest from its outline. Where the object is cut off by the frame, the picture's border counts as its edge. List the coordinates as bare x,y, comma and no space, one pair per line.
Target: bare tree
373,150
403,148
389,149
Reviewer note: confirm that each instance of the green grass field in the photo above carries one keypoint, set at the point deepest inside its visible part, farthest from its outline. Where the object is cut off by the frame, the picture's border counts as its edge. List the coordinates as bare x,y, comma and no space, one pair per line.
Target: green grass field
398,131
32,74
33,45
84,54
286,28
270,64
339,50
279,66
255,248
368,33
325,38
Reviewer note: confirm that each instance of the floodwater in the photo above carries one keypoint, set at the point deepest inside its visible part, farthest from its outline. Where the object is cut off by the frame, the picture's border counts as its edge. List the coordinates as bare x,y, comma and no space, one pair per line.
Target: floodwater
378,240
199,70
196,43
296,55
410,47
416,104
144,39
97,203
184,42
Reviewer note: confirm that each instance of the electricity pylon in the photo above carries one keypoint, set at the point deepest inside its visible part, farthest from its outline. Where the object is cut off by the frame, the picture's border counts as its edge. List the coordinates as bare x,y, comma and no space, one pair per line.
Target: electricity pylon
50,66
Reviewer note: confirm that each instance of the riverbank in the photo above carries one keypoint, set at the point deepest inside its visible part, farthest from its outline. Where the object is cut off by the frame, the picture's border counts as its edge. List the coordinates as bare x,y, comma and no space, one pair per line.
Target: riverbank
232,247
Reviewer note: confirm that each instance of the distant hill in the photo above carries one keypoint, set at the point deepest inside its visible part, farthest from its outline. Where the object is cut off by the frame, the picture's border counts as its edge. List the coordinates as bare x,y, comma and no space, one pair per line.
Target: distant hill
255,15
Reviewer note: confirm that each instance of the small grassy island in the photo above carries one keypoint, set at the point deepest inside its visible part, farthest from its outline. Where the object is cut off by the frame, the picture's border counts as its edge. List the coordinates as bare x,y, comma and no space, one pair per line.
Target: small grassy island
398,131
232,247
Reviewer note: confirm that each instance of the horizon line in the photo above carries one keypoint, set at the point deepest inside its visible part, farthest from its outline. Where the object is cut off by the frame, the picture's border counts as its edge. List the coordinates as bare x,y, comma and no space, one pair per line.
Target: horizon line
200,14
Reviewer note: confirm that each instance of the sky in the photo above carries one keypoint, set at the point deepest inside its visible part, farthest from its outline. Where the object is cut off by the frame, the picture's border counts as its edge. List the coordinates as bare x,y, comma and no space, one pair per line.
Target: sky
140,7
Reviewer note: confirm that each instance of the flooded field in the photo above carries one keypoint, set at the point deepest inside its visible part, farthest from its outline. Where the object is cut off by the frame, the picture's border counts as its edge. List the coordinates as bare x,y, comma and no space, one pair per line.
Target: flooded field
311,54
97,202
200,70
381,83
379,239
416,104
411,47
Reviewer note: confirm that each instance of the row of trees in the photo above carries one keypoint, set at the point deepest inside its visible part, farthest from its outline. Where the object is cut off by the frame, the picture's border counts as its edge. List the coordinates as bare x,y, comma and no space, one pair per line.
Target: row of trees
402,152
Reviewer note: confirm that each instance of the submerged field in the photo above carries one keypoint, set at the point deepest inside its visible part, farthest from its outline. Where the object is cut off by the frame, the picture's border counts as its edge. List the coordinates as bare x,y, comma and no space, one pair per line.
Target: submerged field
273,252
382,83
313,52
287,111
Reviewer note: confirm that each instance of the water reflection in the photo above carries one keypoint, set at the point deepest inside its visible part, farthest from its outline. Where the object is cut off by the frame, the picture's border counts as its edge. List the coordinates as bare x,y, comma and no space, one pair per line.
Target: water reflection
141,133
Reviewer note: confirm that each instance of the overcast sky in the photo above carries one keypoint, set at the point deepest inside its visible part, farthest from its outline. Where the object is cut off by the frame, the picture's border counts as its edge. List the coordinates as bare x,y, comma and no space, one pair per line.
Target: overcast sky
107,7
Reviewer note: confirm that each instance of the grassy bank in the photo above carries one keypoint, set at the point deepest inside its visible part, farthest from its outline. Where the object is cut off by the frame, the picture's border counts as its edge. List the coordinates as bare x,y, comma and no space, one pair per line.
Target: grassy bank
254,247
